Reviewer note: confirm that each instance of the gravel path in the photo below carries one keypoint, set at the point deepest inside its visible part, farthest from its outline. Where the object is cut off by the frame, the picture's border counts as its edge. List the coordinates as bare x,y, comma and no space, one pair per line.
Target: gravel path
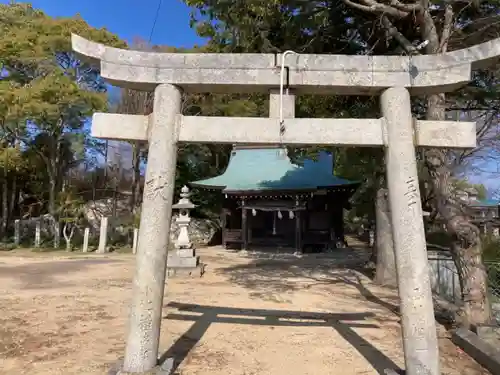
249,314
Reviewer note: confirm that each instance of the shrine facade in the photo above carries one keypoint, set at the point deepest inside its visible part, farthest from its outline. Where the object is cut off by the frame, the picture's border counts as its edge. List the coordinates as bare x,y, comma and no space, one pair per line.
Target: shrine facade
270,201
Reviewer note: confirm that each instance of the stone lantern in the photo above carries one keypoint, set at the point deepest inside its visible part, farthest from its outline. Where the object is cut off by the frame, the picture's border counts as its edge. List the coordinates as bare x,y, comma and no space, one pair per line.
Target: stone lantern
183,219
184,255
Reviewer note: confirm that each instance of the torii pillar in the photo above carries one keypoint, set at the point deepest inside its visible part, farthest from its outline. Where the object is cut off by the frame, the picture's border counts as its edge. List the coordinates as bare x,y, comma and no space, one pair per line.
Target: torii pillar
417,309
141,352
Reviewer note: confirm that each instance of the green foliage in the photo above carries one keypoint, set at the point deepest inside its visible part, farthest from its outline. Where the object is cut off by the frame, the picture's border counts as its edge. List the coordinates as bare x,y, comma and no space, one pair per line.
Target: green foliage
491,244
461,184
12,160
491,249
70,207
196,162
51,102
491,258
137,219
43,81
131,222
305,27
46,92
31,42
276,26
338,27
368,167
7,246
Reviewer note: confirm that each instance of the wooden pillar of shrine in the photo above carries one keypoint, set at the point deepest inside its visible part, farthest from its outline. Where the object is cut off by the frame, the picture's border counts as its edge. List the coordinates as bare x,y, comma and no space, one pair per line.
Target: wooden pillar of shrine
336,208
244,226
249,226
223,224
298,231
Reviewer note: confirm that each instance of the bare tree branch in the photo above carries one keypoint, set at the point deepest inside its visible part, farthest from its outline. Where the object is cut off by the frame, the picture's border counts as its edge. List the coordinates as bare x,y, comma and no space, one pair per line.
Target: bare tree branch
398,36
447,28
405,7
374,7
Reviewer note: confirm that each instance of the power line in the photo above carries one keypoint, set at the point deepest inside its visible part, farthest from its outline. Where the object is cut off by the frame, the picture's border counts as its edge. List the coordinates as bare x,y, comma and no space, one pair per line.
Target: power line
155,20
114,147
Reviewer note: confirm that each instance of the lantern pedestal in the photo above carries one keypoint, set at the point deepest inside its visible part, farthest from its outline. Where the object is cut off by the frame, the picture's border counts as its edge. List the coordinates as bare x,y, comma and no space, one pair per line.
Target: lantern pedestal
183,260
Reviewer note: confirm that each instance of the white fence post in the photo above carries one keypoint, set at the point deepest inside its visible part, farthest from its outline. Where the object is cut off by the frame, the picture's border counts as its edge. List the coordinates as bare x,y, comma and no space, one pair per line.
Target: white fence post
103,236
38,230
86,234
134,243
17,232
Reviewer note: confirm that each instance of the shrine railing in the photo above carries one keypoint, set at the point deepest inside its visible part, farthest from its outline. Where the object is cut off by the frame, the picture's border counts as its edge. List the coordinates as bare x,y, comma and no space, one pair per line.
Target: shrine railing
445,282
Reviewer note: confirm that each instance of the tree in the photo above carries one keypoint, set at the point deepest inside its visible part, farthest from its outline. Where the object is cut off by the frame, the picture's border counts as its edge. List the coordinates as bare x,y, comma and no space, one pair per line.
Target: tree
12,164
137,103
46,93
70,213
379,27
439,24
305,27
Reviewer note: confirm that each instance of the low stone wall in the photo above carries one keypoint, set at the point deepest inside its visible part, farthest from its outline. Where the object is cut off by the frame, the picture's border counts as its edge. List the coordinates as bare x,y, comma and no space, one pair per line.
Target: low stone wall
201,231
27,228
94,211
486,354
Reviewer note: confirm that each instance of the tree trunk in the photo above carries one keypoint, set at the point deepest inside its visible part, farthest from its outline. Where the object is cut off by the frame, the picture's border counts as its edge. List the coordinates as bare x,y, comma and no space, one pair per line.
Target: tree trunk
52,196
52,168
5,206
13,197
136,177
385,273
68,236
53,191
115,200
473,285
466,248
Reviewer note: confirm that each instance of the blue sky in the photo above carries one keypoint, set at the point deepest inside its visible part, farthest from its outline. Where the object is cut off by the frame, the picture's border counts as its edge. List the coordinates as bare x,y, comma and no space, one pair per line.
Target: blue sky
129,18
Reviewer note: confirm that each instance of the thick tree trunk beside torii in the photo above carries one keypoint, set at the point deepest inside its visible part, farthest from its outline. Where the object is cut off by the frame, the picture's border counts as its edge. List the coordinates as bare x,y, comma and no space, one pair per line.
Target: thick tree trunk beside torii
466,248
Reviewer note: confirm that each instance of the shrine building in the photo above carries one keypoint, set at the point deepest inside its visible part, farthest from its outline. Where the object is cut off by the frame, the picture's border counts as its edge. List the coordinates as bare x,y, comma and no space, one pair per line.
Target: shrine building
270,201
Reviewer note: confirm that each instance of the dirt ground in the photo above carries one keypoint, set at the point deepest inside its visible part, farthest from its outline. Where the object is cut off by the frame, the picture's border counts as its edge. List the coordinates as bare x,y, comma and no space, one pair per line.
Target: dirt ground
249,314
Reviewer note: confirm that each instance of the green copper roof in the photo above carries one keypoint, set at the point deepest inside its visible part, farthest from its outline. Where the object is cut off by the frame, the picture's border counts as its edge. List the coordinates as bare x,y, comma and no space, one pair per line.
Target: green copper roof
485,203
261,169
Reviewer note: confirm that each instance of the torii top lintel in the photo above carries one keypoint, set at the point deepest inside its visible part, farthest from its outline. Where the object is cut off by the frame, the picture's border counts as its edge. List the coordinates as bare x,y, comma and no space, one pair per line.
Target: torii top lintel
306,73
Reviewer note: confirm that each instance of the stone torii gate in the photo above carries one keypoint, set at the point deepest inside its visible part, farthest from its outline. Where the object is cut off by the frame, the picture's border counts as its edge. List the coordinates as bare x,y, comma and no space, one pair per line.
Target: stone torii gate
395,78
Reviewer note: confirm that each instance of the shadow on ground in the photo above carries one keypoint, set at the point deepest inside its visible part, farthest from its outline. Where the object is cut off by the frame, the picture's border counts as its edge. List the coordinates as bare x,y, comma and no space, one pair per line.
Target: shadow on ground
206,315
271,276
